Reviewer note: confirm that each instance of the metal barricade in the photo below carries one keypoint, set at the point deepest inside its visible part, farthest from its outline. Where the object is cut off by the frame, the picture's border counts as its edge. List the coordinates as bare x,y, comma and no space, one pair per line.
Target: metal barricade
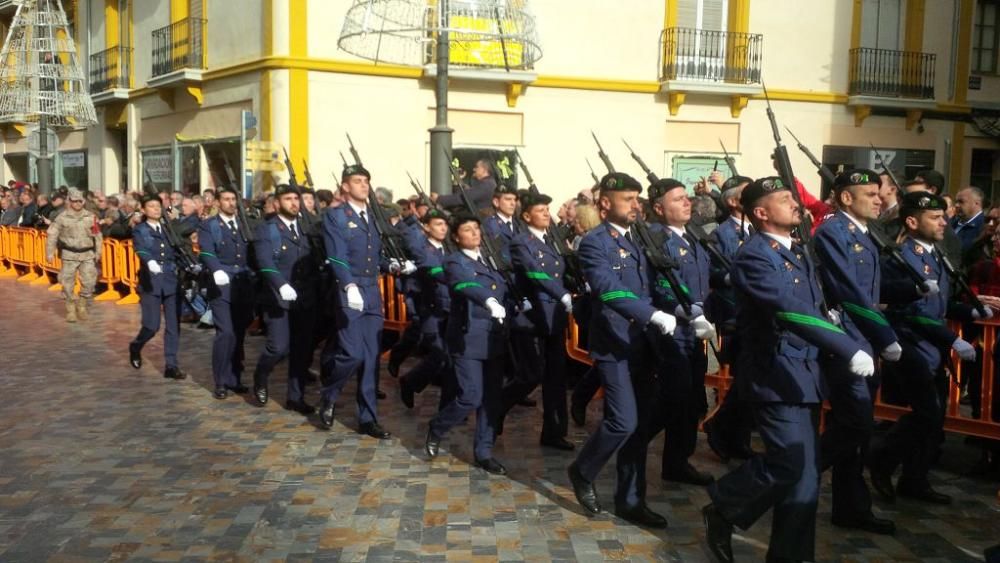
23,252
6,266
110,273
127,264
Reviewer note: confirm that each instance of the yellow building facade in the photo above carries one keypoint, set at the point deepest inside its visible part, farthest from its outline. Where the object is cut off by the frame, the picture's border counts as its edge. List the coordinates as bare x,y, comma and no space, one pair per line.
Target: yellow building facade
171,80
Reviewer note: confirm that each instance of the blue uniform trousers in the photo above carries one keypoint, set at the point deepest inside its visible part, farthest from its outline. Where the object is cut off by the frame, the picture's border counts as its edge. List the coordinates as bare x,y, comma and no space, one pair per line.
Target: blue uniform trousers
231,318
785,478
542,360
434,367
479,383
289,334
681,365
355,350
151,304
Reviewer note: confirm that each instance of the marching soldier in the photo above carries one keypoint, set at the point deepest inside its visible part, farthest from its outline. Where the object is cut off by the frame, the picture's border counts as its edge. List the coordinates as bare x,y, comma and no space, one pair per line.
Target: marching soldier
77,236
728,431
159,287
926,341
540,346
502,225
622,314
475,339
783,332
225,254
434,302
354,250
681,359
284,254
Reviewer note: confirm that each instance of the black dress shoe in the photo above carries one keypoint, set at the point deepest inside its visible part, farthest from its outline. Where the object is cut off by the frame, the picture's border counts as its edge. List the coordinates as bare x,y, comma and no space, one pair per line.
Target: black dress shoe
393,368
642,516
220,393
867,523
432,445
686,473
374,430
922,493
578,413
583,490
300,407
174,373
260,395
239,388
557,442
135,356
491,465
405,392
718,533
882,482
527,402
326,415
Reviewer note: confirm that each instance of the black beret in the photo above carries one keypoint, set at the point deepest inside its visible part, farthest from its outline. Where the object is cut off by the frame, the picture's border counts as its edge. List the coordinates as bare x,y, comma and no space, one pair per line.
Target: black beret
282,189
503,189
855,177
461,218
620,182
913,202
146,198
530,200
662,186
932,178
734,182
760,188
433,214
354,170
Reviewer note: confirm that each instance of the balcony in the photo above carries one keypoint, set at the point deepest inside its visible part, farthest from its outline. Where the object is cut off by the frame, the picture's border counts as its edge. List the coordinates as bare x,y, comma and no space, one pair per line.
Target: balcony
179,58
895,80
111,74
710,62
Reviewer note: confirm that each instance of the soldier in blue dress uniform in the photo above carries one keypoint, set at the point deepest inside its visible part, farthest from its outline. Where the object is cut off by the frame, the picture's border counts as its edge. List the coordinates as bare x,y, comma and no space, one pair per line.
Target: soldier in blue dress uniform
783,330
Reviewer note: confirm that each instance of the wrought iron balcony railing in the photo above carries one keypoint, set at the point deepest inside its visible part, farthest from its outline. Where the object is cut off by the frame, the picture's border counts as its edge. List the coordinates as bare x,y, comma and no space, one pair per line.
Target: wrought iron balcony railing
892,74
180,45
111,69
710,56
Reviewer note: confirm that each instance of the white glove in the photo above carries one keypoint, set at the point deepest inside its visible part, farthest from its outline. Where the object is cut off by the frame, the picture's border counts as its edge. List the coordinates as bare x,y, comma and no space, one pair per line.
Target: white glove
892,352
287,293
834,316
695,312
666,323
977,316
862,364
965,350
394,266
932,288
408,268
703,329
221,278
497,310
567,301
526,305
354,299
154,267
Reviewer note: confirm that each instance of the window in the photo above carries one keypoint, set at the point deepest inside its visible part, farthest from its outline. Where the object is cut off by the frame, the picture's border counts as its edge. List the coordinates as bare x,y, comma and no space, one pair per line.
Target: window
880,24
984,37
703,14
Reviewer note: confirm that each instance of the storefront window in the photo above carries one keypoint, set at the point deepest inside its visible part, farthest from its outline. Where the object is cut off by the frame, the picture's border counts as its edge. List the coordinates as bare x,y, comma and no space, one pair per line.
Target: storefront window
157,167
74,169
190,164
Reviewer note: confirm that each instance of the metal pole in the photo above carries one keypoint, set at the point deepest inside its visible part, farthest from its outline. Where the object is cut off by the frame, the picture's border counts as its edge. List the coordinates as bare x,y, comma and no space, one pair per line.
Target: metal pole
441,133
44,161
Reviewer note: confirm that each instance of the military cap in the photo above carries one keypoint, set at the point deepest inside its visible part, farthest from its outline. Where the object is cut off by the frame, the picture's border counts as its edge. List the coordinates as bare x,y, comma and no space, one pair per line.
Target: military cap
354,170
461,218
620,182
146,198
914,202
855,177
932,178
75,194
660,187
433,214
530,200
735,182
226,188
760,188
503,189
392,210
282,189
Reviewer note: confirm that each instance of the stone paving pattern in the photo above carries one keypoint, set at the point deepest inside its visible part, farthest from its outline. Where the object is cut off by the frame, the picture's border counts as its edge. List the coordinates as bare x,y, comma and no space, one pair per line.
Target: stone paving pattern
104,463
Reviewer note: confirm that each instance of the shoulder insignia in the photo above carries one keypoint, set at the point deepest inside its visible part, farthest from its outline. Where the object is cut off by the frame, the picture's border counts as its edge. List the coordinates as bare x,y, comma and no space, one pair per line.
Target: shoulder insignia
613,232
851,227
918,248
775,244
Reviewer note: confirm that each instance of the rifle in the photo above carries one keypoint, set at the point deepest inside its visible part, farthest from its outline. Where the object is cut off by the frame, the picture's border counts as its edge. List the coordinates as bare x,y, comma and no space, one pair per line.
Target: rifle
291,170
881,163
652,246
189,262
391,245
787,176
309,222
448,244
825,173
309,176
696,232
574,274
241,213
963,287
592,174
729,160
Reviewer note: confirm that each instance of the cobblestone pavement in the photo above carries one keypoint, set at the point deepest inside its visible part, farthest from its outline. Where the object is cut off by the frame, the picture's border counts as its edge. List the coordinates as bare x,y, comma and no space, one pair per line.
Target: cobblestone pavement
101,462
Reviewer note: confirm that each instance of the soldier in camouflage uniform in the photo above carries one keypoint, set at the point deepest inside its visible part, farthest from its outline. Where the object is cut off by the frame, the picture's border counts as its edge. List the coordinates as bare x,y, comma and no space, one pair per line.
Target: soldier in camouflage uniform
76,234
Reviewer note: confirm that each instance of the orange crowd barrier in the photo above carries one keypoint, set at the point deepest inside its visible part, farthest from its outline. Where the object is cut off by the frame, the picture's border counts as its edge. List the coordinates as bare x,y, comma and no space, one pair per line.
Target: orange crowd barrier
393,304
6,265
127,264
110,273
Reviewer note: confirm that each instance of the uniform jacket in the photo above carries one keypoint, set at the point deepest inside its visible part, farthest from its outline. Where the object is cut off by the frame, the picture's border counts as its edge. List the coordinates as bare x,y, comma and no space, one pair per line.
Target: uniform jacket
224,249
286,258
472,333
540,270
76,235
354,252
693,274
150,245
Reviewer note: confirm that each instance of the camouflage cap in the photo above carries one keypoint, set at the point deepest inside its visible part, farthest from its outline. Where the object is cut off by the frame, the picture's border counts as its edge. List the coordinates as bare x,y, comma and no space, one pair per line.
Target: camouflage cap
74,195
